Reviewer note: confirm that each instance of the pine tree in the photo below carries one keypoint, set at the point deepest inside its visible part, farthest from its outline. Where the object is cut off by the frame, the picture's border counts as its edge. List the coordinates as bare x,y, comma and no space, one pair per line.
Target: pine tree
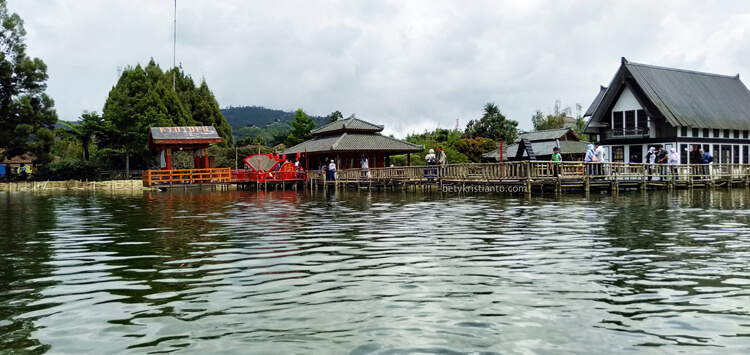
26,112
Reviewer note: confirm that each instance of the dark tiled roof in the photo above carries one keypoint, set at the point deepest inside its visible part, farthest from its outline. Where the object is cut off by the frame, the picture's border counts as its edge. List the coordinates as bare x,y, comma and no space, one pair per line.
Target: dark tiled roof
354,142
541,148
694,99
547,134
597,101
348,125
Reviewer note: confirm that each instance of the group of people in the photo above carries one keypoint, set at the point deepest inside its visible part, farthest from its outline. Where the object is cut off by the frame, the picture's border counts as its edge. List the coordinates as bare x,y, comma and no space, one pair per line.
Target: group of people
329,167
22,172
659,160
432,159
595,153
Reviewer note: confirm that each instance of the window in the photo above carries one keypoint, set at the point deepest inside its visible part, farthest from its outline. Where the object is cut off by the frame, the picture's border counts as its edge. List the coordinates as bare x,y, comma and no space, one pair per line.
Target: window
683,153
726,133
636,154
706,132
683,131
744,134
630,119
716,133
744,154
617,120
642,119
696,132
618,154
736,133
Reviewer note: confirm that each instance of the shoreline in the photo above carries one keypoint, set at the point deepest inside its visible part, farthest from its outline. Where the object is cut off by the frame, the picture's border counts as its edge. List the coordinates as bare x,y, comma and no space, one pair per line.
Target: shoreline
112,185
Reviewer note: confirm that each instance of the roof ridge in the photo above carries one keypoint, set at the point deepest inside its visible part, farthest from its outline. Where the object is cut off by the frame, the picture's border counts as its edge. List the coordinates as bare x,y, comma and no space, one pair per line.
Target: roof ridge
335,145
683,70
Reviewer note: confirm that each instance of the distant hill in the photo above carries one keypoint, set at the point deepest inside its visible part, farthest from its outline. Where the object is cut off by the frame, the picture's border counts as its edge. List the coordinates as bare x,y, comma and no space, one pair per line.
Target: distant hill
258,121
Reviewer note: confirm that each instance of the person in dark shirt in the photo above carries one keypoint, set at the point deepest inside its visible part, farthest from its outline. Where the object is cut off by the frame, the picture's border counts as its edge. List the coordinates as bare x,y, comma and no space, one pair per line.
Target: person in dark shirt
706,159
661,158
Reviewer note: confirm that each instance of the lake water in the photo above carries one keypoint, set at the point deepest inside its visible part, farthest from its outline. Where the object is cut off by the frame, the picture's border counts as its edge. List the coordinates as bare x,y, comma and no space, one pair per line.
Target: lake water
354,272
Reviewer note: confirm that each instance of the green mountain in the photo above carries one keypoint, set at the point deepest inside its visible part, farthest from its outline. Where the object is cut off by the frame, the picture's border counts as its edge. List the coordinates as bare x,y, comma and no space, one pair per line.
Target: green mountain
258,121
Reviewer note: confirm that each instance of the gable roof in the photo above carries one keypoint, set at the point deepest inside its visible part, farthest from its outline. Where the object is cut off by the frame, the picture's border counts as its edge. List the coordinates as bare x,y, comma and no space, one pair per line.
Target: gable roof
350,124
541,148
354,142
543,135
597,101
682,97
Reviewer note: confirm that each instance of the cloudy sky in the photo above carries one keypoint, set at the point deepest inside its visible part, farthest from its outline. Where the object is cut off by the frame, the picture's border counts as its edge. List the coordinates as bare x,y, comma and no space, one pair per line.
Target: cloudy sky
410,65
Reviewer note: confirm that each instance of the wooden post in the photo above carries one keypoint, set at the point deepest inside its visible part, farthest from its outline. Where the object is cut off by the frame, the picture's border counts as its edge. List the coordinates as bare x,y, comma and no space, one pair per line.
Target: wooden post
527,165
168,158
586,177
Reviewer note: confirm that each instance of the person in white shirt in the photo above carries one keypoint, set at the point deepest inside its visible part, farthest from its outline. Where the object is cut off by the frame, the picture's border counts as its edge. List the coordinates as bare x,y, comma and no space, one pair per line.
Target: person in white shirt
365,165
601,157
332,170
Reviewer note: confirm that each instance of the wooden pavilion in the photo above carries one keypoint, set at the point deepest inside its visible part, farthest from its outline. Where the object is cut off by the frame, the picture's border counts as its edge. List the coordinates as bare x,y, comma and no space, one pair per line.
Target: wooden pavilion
165,140
197,139
347,140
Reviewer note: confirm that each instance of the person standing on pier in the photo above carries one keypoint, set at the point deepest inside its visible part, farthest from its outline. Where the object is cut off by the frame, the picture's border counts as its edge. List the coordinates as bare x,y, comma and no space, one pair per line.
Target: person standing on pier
601,158
706,159
556,158
332,170
365,165
650,160
674,161
430,159
442,159
661,159
590,158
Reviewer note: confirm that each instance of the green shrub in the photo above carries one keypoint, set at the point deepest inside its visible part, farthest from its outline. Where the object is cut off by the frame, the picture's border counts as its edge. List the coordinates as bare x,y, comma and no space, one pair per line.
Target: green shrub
69,170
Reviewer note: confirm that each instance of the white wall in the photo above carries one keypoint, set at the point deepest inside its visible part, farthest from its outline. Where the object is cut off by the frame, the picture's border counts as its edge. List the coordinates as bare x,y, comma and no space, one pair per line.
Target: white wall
627,101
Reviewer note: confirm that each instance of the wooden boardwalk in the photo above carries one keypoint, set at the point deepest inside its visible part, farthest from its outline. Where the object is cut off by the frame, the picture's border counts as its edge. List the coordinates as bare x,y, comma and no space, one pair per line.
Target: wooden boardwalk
526,177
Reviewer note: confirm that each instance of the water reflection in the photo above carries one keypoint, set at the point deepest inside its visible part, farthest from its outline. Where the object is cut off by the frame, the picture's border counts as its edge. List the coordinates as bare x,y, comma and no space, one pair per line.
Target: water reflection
360,272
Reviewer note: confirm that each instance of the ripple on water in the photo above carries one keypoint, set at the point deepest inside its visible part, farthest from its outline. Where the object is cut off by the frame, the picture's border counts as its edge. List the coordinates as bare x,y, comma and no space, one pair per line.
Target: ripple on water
361,273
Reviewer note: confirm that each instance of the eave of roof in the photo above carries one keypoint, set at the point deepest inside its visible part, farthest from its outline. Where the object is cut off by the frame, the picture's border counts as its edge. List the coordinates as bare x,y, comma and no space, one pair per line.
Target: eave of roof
354,141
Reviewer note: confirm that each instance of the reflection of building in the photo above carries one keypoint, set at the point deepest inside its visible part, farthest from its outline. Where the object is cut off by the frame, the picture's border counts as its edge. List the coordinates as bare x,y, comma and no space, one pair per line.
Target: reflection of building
346,141
646,105
542,143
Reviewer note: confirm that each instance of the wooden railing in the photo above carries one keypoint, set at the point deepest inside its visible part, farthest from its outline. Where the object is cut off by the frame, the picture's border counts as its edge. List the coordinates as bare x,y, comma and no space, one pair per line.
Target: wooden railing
187,176
249,175
534,170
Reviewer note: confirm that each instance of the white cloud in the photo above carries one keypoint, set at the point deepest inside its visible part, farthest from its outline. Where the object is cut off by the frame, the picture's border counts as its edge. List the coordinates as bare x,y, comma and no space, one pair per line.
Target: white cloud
410,65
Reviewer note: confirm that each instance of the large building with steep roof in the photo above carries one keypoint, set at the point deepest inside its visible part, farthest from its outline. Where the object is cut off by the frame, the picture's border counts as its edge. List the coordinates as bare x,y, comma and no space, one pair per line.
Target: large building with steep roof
645,106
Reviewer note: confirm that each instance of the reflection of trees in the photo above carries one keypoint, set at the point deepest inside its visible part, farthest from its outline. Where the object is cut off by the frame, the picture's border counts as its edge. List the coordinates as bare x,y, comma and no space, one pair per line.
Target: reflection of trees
24,256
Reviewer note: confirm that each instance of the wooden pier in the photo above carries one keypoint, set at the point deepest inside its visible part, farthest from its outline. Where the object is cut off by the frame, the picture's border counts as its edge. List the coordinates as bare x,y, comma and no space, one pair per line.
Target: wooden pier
524,177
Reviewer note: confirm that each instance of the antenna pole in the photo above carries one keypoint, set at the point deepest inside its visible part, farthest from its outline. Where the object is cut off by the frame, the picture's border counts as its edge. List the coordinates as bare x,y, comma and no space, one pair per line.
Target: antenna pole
174,48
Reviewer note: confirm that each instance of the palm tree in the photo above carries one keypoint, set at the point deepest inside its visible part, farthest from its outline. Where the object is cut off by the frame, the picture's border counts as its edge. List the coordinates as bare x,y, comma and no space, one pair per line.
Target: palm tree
83,132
